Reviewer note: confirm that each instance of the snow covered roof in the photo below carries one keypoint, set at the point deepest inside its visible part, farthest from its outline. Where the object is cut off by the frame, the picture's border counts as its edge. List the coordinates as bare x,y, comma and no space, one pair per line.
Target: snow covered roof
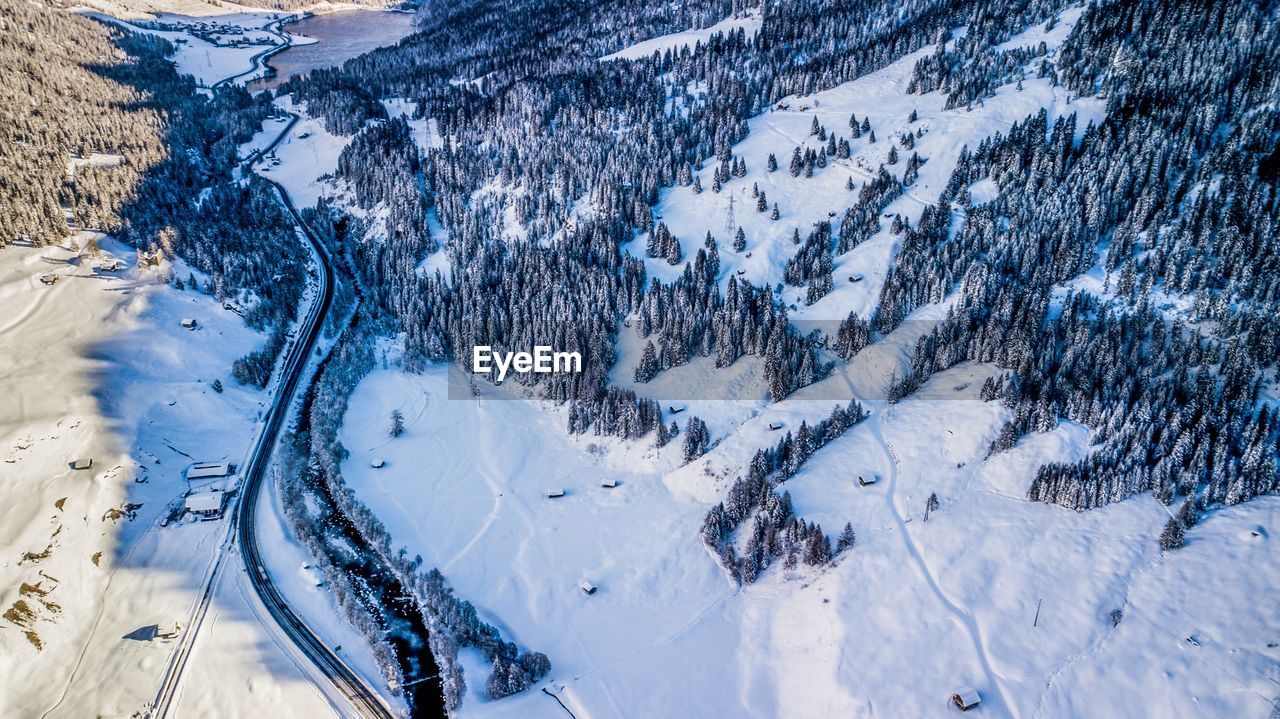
966,698
208,470
558,492
204,502
81,463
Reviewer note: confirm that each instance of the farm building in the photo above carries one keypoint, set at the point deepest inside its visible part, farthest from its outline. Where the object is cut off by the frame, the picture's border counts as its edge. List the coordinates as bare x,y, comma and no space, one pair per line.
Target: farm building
81,463
587,587
206,505
866,481
555,493
188,323
609,483
966,698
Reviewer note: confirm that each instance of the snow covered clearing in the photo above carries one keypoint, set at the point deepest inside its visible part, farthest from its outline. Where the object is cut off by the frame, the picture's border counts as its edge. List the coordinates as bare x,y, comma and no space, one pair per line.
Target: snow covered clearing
424,129
749,22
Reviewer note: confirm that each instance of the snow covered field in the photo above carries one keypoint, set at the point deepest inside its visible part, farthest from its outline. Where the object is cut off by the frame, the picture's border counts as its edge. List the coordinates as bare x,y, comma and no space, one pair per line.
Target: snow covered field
298,163
915,610
99,367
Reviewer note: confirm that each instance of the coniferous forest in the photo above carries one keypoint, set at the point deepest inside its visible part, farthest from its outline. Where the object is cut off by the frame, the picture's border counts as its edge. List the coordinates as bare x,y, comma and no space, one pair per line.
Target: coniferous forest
1177,199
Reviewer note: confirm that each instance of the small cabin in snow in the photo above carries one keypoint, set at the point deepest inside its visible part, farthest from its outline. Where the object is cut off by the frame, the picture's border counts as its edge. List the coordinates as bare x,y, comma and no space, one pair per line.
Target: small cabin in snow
81,463
855,278
675,408
587,587
966,698
555,493
188,323
609,483
867,481
775,426
378,463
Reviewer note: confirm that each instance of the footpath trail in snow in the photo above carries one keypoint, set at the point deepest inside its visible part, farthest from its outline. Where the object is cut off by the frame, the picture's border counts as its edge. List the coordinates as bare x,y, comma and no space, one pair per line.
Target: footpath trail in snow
995,690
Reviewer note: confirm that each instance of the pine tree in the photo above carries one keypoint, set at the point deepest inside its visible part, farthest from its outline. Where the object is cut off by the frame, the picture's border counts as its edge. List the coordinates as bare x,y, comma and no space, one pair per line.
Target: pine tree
1173,535
772,163
397,423
846,539
696,439
647,369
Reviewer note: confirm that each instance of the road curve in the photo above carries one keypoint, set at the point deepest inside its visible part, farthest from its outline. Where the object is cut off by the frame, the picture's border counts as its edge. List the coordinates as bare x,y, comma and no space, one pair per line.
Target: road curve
259,60
364,700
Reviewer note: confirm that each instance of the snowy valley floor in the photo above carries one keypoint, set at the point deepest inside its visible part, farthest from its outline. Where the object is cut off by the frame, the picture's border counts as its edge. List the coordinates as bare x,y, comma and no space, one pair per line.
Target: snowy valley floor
913,611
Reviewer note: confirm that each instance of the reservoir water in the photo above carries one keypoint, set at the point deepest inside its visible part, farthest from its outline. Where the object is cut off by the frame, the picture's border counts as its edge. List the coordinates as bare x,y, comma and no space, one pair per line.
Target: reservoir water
340,36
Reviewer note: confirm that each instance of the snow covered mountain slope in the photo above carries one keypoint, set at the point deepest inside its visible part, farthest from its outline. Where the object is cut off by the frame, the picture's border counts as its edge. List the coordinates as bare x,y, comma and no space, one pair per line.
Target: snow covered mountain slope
1045,611
879,97
749,23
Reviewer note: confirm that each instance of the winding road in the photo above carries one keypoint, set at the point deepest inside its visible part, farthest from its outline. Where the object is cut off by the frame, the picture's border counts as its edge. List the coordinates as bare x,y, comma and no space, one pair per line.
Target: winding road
363,699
